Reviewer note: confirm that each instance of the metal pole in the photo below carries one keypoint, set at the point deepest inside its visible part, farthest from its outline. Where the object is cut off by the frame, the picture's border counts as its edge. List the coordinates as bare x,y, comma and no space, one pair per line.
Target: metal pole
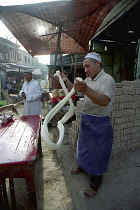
75,60
61,59
56,53
19,80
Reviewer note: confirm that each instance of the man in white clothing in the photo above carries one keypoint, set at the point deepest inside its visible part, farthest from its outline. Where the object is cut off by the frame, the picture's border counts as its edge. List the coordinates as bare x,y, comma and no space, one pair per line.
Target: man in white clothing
42,84
31,93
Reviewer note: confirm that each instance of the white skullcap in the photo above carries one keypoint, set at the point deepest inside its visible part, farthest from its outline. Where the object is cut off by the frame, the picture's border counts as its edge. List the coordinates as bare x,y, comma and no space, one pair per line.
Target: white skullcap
95,56
28,71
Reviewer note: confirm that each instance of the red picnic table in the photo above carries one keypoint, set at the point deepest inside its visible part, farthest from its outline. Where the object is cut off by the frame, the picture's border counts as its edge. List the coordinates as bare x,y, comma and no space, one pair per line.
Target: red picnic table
20,144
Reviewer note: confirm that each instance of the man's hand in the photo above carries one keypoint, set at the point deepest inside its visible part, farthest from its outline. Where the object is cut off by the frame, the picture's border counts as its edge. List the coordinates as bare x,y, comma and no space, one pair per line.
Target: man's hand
80,86
64,77
23,95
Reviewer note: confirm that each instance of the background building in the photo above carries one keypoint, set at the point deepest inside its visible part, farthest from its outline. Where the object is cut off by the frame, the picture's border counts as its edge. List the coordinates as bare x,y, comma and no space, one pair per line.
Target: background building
10,53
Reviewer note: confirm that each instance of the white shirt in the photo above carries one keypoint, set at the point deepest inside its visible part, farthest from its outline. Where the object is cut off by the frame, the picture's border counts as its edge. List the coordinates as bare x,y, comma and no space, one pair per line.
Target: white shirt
102,83
42,84
32,104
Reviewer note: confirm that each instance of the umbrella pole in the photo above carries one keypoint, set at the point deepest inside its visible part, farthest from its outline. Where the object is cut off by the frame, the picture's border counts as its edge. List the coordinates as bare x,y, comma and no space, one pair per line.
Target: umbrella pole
61,60
75,60
56,53
19,80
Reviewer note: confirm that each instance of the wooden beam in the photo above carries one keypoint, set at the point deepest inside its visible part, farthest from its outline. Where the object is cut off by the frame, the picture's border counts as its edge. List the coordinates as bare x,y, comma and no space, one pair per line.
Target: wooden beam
8,99
10,106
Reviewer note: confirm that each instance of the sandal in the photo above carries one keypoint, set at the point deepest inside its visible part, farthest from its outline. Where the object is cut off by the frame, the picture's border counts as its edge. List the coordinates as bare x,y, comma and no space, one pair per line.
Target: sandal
91,191
77,170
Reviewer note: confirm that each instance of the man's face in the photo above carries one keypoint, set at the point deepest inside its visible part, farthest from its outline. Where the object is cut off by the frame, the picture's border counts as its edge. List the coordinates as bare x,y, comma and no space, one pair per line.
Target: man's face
91,68
28,77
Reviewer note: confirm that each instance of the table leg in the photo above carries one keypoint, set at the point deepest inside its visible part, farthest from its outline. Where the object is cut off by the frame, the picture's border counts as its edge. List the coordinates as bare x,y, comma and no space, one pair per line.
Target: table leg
1,197
39,144
12,193
30,185
3,193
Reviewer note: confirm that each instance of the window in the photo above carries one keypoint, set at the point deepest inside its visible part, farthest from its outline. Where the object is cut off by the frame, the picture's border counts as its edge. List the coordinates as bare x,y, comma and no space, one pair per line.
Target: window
0,47
28,60
6,56
18,57
1,58
12,54
5,47
25,59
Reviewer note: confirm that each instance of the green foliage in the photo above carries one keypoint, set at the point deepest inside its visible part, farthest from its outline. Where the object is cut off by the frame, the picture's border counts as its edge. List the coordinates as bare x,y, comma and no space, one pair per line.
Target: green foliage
3,103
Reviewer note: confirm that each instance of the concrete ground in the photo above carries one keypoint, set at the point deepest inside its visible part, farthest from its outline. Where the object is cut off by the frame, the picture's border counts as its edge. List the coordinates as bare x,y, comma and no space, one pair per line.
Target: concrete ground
57,189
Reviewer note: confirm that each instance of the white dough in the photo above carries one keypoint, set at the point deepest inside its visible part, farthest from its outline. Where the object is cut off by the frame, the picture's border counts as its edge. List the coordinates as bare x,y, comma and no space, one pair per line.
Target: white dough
54,111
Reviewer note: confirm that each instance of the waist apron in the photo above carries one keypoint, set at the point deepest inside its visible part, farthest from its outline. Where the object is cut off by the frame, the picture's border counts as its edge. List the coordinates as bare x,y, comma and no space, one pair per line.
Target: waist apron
94,144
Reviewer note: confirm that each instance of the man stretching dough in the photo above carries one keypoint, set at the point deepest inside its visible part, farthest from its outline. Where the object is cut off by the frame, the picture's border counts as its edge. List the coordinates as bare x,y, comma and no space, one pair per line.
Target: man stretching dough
96,133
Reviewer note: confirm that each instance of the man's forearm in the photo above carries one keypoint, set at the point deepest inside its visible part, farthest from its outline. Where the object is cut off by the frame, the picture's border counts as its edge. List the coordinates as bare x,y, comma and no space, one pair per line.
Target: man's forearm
98,98
69,84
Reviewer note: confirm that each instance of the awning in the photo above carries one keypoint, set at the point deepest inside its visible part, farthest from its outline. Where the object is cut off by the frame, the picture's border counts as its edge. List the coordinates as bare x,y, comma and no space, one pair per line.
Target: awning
9,67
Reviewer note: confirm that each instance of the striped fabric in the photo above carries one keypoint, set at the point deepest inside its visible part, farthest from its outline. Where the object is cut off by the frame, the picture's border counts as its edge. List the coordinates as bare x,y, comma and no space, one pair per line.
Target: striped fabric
79,19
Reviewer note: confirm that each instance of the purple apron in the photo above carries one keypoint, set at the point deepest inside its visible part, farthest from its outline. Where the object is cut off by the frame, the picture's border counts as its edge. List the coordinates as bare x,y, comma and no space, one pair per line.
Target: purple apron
94,144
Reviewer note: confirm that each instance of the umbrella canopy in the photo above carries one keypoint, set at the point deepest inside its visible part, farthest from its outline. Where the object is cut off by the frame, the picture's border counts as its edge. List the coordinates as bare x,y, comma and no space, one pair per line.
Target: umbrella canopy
38,26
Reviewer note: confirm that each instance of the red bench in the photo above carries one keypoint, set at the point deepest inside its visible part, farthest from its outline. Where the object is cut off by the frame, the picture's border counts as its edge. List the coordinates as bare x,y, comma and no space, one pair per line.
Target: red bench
20,144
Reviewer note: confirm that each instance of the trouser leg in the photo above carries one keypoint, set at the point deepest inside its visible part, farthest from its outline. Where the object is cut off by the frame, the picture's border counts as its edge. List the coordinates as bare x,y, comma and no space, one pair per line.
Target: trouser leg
96,180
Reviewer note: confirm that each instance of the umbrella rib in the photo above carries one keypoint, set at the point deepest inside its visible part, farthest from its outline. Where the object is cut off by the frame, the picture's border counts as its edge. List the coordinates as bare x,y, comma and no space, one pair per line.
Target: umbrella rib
65,33
50,34
43,45
53,33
